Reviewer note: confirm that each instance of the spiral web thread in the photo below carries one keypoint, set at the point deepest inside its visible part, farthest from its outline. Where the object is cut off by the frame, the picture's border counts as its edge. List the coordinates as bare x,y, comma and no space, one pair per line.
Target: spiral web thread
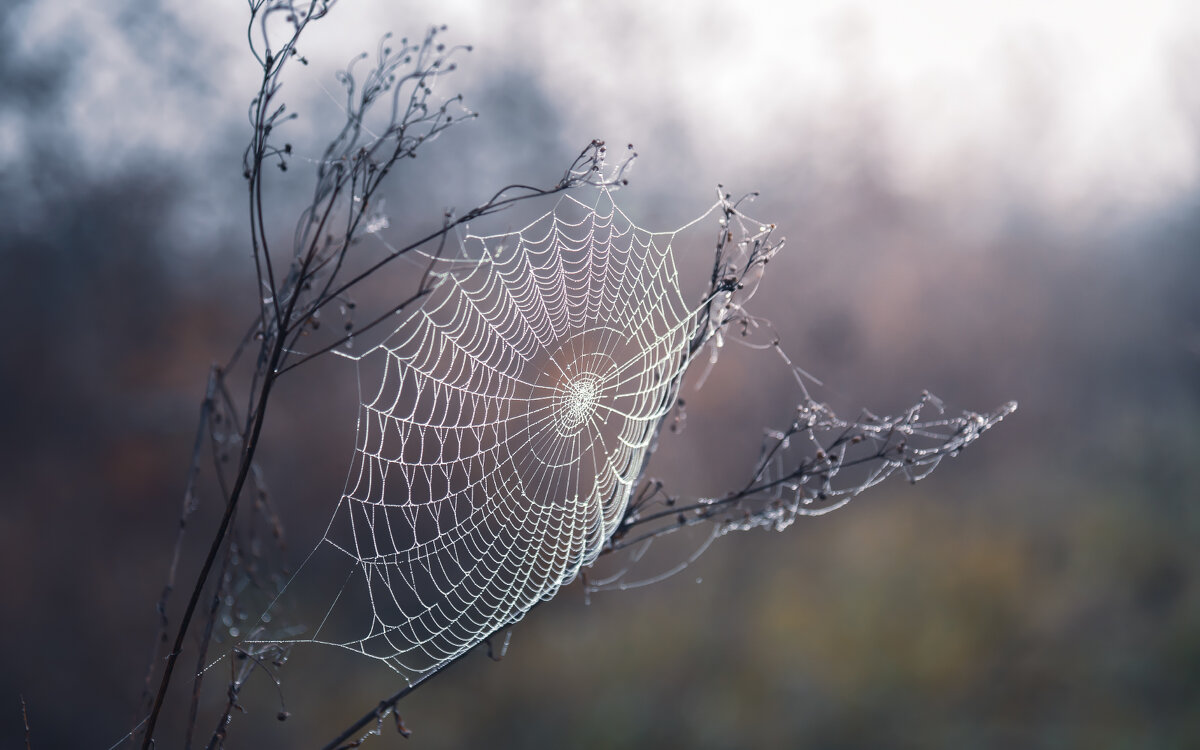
502,429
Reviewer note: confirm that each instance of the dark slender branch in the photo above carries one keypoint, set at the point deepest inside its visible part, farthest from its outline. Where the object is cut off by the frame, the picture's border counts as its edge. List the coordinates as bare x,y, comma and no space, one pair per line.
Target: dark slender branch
894,452
391,312
218,539
381,709
496,203
25,723
249,448
232,689
185,514
205,640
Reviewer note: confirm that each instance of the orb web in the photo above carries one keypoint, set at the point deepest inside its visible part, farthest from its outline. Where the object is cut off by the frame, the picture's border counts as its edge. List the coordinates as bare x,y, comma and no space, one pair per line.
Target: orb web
501,431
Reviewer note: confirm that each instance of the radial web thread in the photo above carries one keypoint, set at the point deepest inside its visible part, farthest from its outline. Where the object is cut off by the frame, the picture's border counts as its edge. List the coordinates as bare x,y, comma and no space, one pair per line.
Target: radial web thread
501,430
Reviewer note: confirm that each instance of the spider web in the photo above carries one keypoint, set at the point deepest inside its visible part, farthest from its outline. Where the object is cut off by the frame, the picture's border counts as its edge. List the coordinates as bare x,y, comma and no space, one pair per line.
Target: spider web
502,429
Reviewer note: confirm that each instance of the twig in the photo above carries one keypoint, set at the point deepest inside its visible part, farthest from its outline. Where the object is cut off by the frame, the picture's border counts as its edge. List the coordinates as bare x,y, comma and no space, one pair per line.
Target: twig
189,507
25,722
218,539
381,709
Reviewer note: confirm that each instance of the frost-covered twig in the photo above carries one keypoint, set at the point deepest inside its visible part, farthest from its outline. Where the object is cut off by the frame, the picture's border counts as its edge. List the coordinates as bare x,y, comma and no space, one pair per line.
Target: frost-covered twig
817,464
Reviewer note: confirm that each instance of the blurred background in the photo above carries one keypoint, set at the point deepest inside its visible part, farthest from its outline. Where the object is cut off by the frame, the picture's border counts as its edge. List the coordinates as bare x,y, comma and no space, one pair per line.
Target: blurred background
989,201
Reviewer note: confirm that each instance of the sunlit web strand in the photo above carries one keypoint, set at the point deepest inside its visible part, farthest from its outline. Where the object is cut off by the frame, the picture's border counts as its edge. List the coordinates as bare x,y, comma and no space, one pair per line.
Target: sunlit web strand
501,430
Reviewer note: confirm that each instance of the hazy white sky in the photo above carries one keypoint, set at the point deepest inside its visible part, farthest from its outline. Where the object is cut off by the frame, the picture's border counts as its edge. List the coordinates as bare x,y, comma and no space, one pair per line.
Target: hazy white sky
1068,100
1066,103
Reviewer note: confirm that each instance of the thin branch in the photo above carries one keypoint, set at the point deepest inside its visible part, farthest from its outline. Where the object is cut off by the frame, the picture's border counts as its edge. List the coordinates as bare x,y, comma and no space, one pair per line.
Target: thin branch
391,312
387,705
188,508
218,539
593,155
201,657
25,723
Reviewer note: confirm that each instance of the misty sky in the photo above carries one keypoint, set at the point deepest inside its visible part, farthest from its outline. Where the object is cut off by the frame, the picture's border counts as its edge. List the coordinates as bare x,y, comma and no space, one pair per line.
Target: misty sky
1072,109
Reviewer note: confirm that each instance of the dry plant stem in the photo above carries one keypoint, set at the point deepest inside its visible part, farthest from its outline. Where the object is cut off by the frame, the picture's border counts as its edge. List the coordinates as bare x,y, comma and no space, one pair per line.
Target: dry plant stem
189,507
247,457
202,656
286,308
377,714
257,414
771,497
25,723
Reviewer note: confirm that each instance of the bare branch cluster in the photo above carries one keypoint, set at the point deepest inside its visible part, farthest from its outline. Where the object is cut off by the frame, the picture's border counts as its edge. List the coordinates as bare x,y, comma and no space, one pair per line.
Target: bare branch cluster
815,465
391,110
